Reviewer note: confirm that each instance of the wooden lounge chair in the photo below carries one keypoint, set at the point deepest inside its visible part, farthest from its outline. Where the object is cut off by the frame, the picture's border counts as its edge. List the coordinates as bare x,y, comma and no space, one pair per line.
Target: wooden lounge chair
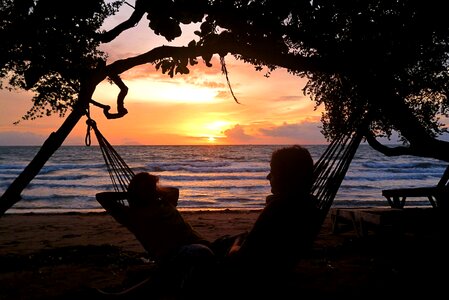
438,195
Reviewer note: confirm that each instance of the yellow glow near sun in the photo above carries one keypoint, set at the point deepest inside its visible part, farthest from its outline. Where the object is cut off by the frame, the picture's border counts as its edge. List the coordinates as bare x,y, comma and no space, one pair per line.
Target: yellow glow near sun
217,126
213,131
141,90
170,92
207,131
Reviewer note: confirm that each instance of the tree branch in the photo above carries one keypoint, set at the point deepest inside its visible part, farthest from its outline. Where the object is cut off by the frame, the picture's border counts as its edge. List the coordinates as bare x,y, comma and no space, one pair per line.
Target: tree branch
387,151
132,21
289,61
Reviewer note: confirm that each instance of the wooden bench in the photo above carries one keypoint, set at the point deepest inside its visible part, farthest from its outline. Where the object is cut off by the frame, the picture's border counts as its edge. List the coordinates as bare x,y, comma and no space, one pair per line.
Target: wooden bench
438,195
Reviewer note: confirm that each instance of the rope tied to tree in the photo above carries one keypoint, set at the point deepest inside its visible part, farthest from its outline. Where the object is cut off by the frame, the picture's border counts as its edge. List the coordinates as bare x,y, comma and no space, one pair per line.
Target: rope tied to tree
119,172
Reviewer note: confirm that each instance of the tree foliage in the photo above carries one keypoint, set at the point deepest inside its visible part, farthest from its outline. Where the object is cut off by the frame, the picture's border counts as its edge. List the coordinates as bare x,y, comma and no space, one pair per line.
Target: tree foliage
387,60
47,46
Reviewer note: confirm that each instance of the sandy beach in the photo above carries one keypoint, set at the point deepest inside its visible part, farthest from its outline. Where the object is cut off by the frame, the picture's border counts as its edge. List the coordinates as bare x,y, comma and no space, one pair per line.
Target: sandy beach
58,256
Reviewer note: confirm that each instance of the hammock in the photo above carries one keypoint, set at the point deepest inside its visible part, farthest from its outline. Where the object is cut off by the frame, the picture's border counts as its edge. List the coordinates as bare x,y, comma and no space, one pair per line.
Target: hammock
120,173
329,170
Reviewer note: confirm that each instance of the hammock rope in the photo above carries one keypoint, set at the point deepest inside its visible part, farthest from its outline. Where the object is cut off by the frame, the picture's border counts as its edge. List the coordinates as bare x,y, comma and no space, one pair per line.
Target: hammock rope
120,173
329,170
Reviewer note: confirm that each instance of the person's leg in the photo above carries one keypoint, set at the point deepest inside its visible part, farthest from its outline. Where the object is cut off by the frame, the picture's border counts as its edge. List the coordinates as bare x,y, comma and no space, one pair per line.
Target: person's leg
192,267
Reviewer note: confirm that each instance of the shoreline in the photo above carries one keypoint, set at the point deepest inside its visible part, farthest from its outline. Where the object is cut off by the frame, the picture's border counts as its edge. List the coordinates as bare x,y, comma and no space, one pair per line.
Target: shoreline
57,256
102,211
27,211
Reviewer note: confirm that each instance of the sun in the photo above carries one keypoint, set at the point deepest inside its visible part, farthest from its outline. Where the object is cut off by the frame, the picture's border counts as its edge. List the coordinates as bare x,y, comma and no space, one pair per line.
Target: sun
206,131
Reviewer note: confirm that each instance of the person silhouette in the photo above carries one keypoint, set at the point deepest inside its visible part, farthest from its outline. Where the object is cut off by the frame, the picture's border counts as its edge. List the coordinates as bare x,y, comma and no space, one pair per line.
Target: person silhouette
283,233
151,215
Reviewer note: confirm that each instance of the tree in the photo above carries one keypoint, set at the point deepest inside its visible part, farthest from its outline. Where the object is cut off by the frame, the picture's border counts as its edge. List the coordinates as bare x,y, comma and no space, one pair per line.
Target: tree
383,60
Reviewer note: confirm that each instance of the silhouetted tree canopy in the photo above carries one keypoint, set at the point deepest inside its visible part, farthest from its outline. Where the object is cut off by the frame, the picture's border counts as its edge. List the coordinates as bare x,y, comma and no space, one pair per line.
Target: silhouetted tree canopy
385,59
47,46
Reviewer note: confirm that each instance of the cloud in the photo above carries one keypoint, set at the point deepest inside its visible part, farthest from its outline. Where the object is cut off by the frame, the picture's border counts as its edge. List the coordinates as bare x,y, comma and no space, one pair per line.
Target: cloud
289,98
11,138
305,132
237,134
16,138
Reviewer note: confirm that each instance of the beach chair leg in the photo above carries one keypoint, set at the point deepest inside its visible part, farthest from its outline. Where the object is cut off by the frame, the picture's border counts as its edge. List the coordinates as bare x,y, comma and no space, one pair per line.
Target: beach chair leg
360,227
339,216
396,201
334,221
433,202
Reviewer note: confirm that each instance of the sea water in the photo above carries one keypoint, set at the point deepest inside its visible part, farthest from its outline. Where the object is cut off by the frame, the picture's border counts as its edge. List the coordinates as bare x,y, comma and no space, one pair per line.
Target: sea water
209,177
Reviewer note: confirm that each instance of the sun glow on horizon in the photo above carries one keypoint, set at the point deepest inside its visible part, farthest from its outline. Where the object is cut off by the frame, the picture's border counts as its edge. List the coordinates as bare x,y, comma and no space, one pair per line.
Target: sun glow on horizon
206,131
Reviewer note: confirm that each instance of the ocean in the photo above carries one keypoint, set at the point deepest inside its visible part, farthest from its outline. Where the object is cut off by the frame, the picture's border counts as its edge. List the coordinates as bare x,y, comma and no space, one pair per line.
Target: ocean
209,177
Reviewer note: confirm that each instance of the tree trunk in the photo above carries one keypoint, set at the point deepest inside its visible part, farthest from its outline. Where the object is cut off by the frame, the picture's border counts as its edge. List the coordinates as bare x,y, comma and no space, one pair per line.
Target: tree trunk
12,194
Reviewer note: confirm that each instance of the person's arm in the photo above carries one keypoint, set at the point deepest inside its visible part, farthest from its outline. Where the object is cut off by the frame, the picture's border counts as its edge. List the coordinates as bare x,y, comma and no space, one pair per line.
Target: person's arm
111,202
260,233
238,241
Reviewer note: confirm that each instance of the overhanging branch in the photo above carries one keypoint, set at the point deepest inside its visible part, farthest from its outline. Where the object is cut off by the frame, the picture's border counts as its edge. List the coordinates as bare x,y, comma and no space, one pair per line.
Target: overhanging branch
221,47
387,151
132,21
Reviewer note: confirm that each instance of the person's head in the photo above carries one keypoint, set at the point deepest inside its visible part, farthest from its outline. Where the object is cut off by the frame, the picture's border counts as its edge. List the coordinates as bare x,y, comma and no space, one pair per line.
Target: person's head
142,188
291,170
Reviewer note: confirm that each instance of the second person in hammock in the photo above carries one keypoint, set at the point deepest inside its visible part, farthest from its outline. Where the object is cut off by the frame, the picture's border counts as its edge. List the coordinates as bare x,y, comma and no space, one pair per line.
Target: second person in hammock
260,265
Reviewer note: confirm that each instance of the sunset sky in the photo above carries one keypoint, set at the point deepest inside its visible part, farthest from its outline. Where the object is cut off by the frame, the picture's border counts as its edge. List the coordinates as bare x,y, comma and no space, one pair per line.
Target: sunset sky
188,109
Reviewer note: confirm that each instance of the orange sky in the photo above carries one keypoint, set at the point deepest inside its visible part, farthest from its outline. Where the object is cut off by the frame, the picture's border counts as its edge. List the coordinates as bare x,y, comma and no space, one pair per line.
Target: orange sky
190,109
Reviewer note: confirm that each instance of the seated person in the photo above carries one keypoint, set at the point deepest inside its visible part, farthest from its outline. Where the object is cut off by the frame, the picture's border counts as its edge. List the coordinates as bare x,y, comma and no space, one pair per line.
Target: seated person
151,216
156,223
285,230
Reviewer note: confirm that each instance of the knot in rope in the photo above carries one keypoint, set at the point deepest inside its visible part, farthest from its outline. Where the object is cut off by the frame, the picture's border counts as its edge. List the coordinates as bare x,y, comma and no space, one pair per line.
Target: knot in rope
90,125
